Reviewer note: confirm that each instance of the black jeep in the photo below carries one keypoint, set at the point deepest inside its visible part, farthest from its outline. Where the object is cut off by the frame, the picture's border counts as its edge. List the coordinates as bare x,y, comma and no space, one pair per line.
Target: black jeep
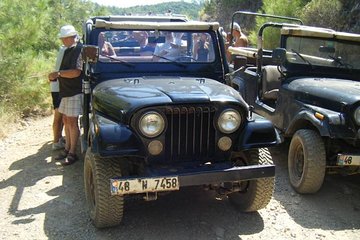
156,122
310,89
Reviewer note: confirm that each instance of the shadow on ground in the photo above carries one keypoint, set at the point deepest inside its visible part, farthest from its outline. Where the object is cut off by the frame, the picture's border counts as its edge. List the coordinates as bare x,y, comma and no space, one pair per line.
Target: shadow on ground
191,213
335,207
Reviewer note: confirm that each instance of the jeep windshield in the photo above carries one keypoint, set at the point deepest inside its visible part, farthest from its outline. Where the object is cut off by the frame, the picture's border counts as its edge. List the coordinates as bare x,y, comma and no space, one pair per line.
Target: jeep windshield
164,46
317,49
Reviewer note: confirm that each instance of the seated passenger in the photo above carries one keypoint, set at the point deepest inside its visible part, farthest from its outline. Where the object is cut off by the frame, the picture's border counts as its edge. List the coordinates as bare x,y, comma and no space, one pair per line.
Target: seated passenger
105,47
201,48
171,49
146,48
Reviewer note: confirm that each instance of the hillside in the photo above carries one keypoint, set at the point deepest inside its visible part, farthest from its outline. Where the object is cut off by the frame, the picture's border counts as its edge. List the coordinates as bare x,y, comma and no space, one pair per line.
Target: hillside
191,10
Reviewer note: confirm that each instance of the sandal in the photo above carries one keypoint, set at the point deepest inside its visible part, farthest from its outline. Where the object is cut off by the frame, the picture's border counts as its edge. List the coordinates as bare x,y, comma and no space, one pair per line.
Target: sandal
62,155
70,159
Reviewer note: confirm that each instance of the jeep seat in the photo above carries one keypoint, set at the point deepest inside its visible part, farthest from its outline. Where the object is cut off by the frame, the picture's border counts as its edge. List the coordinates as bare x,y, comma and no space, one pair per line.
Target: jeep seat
270,82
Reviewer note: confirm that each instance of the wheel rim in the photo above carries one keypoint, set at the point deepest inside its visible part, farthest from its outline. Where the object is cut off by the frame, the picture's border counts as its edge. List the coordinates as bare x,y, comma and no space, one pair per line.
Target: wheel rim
298,162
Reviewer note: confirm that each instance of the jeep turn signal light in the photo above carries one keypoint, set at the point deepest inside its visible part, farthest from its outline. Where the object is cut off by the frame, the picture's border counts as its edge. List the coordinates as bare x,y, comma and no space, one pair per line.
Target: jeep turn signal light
319,116
224,143
155,147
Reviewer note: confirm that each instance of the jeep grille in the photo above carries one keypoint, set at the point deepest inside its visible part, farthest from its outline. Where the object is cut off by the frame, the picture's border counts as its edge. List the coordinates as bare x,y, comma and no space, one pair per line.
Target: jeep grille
190,134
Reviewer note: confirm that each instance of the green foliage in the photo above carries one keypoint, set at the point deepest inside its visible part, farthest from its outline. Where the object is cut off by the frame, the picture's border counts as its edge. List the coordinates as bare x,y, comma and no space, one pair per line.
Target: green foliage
209,10
324,13
28,43
280,7
222,12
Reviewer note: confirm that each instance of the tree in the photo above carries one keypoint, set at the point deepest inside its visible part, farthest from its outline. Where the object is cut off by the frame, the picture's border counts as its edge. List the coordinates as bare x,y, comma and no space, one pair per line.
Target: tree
340,15
280,7
28,43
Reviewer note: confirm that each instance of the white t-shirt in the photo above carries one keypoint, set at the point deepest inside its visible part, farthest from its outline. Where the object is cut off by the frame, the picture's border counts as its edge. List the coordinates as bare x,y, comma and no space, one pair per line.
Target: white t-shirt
54,85
168,51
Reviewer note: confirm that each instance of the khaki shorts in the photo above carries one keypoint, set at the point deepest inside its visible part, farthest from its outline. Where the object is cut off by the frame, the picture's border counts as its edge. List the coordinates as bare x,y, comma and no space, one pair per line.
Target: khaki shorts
71,106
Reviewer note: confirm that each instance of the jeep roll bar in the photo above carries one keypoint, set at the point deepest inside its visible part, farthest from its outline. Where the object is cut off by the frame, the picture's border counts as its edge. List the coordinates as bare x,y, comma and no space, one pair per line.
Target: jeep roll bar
259,55
261,15
261,30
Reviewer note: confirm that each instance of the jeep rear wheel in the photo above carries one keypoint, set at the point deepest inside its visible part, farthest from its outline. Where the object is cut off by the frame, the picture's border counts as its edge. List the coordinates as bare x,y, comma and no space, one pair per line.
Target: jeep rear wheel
306,161
105,210
255,194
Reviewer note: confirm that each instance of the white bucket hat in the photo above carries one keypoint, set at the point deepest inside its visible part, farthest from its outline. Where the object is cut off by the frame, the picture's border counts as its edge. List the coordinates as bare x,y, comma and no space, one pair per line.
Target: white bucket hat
236,27
67,31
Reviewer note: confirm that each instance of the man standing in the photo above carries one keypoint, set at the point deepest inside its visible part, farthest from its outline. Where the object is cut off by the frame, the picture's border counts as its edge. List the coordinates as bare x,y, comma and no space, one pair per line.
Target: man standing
70,80
240,40
237,38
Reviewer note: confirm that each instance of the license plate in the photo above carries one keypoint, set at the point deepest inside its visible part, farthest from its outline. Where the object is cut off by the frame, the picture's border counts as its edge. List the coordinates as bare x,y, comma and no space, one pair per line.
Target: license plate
142,185
348,160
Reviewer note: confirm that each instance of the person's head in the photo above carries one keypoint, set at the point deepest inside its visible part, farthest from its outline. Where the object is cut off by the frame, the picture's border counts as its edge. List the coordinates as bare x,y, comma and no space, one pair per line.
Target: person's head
141,37
203,37
101,38
68,35
236,30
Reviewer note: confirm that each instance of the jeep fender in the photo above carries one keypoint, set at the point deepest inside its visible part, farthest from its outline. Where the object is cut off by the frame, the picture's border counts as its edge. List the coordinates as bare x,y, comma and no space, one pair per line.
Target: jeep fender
257,134
307,119
113,140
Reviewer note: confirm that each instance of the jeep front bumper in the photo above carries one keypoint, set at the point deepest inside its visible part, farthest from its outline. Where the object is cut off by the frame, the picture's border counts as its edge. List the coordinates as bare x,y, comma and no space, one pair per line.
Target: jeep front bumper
170,179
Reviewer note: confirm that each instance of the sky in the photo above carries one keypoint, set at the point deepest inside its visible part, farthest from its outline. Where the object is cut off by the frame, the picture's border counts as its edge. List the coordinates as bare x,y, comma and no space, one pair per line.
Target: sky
131,3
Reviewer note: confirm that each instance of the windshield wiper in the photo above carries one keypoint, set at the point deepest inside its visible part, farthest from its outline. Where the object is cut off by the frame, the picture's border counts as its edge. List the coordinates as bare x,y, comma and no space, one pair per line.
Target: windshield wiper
302,58
341,63
119,60
170,60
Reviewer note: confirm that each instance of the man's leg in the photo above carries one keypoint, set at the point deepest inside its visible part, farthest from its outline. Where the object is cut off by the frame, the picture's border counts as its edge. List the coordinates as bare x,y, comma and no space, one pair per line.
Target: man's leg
57,125
72,109
74,133
67,133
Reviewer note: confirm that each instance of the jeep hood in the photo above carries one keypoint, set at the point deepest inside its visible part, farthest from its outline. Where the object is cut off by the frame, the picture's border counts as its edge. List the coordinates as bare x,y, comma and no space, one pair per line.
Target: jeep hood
328,91
120,97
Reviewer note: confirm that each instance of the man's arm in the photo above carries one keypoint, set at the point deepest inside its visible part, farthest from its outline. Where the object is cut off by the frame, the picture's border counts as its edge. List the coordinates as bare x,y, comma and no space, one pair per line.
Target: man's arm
71,73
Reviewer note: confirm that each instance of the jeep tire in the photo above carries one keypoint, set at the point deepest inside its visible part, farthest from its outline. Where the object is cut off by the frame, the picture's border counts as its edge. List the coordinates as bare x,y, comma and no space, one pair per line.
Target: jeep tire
306,161
105,210
255,194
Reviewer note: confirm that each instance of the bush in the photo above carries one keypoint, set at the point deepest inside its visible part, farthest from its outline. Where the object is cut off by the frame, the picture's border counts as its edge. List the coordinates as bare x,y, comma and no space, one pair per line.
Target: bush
323,13
280,7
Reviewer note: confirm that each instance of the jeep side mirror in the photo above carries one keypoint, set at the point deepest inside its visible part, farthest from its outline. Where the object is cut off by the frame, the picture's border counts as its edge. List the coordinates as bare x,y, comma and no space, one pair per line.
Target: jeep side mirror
90,53
279,55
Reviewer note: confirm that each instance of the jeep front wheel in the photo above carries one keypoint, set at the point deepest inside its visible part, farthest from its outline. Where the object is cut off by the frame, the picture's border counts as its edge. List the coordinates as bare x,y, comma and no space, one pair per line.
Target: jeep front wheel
306,161
254,194
105,210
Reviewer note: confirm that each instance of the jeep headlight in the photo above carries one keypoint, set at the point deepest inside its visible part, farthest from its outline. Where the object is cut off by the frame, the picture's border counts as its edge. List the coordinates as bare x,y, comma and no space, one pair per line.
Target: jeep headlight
151,124
357,116
229,121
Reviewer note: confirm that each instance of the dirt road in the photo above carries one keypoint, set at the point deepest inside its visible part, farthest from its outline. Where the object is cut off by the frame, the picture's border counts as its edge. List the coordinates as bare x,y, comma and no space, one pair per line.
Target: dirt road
43,200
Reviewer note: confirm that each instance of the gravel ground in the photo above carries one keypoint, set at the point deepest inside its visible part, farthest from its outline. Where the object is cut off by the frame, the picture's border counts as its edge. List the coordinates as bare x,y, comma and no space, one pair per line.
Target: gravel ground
40,199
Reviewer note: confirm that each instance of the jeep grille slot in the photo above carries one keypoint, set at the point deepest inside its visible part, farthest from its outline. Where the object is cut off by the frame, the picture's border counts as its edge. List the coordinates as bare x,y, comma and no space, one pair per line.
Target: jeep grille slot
190,134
